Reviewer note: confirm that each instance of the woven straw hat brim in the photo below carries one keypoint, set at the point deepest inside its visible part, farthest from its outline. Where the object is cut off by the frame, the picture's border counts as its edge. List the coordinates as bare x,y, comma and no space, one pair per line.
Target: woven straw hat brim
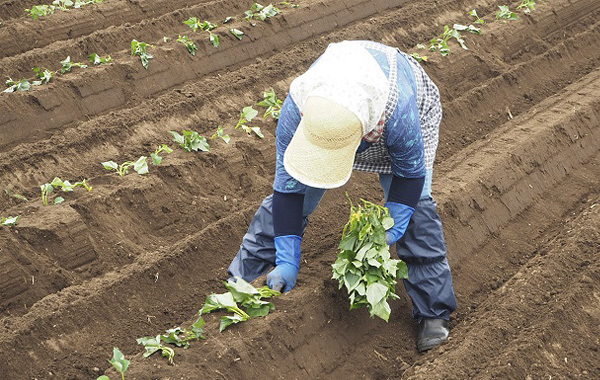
316,166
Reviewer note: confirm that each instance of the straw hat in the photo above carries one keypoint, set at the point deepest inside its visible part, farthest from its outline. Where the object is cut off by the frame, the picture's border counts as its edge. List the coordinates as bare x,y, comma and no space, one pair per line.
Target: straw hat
322,150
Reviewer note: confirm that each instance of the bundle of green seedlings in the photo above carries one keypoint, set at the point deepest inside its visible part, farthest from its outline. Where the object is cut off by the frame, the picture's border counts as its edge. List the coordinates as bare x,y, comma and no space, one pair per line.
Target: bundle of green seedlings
65,186
364,265
249,297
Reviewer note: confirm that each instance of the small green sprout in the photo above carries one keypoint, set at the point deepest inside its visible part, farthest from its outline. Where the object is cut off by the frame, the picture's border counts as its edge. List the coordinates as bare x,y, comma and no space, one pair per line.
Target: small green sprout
478,20
214,39
22,85
98,60
153,345
221,134
119,362
440,43
505,13
195,24
43,74
228,19
237,33
15,195
191,141
9,221
260,12
469,28
272,103
63,4
156,159
419,57
190,45
140,166
249,113
529,6
65,186
38,11
67,65
139,49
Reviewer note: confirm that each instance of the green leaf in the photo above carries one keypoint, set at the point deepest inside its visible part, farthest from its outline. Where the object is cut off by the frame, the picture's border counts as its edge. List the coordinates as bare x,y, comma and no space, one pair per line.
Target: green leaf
249,113
156,159
241,290
376,292
214,39
382,310
228,320
103,377
10,221
118,361
218,301
110,165
237,33
58,200
402,270
141,165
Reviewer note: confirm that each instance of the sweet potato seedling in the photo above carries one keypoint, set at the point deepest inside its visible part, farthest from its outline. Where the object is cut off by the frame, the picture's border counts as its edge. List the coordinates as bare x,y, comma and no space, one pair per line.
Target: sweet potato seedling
65,186
140,166
152,345
191,141
119,362
272,103
11,194
156,158
22,85
504,13
9,220
221,134
244,293
67,64
527,6
237,33
189,44
98,60
249,113
469,28
473,13
139,49
38,11
419,57
260,12
43,74
195,24
440,43
364,266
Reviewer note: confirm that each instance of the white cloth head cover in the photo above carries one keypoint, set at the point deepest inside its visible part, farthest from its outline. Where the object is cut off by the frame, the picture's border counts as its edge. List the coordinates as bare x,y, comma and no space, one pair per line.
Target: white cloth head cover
348,75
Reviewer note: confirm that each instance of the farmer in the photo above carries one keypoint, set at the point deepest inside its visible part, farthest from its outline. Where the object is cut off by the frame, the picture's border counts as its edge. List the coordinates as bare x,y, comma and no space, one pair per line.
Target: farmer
365,106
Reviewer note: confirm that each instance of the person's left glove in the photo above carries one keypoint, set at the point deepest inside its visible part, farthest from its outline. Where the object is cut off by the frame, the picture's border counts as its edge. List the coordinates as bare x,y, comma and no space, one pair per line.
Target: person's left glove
287,261
401,214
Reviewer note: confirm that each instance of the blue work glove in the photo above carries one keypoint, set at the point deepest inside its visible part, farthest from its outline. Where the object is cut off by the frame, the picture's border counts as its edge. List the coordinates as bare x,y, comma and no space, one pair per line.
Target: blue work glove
401,214
287,261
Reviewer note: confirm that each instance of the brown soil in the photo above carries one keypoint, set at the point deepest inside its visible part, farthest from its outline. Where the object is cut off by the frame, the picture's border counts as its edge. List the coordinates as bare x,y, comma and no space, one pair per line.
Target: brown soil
517,179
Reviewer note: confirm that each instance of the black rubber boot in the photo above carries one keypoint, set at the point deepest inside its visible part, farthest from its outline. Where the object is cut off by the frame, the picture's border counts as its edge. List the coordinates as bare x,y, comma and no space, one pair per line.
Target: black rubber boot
432,333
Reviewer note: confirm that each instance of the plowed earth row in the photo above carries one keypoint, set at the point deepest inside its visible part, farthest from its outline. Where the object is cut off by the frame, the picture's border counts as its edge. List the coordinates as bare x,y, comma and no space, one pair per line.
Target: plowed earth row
517,181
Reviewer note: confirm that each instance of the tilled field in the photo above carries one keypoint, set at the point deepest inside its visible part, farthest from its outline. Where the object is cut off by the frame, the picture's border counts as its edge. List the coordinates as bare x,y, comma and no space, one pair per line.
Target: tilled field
517,179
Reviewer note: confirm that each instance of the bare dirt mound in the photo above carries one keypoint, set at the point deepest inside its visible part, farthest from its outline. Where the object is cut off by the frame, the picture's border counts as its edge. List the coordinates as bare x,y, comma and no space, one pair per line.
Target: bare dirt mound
517,178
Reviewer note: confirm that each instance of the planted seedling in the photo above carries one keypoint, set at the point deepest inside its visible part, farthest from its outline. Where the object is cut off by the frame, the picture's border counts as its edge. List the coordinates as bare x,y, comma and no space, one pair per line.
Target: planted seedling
189,44
214,39
505,13
440,43
98,60
528,5
182,338
195,24
63,4
153,345
244,293
140,166
38,11
22,85
272,103
43,74
419,57
364,266
65,186
9,221
67,65
119,362
190,141
478,20
228,19
237,33
469,28
249,113
221,134
139,49
260,12
15,195
156,159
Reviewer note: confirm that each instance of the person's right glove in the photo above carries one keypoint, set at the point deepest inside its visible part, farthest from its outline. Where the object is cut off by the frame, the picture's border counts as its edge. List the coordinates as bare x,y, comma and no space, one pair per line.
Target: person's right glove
287,260
401,214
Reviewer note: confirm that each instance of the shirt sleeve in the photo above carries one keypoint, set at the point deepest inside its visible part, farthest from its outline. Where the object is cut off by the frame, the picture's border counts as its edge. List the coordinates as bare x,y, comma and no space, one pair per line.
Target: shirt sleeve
289,119
404,138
